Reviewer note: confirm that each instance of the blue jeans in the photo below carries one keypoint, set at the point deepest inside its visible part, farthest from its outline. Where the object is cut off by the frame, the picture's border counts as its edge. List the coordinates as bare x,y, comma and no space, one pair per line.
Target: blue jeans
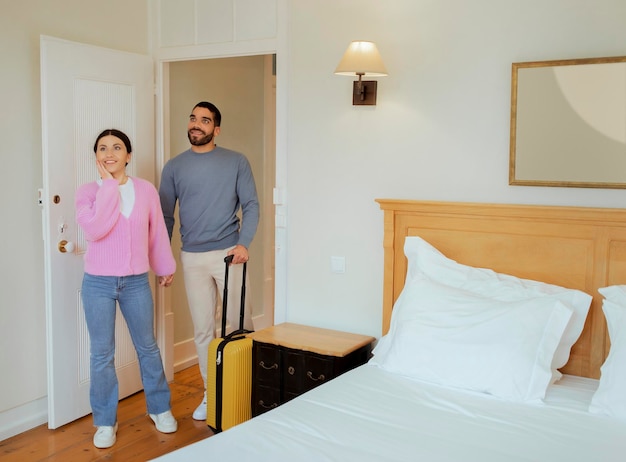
99,295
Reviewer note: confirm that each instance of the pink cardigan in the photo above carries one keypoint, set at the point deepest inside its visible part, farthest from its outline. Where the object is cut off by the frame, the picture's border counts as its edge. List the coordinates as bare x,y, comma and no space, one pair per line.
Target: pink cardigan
120,246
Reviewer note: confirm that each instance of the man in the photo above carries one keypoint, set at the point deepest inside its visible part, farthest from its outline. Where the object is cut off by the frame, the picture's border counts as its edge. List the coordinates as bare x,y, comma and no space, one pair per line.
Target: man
210,184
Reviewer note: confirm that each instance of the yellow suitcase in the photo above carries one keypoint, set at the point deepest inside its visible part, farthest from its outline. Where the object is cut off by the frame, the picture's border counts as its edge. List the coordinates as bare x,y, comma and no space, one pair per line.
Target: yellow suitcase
229,370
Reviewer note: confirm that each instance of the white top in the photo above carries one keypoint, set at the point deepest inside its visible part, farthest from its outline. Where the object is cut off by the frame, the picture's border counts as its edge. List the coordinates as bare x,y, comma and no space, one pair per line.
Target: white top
127,193
127,196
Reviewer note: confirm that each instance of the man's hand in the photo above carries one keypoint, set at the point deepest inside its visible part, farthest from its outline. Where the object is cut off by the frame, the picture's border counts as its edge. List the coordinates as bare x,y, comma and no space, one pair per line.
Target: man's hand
239,253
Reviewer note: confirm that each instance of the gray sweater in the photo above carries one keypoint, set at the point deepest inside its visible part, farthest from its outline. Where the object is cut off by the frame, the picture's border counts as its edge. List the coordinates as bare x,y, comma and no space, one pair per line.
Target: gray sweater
210,189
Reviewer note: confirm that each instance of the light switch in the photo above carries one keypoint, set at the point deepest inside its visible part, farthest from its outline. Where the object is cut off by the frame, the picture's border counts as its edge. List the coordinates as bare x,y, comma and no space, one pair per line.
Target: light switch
278,196
338,265
280,220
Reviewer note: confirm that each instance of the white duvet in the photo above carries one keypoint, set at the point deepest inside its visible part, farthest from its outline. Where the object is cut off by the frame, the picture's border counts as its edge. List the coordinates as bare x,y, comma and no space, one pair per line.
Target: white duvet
369,414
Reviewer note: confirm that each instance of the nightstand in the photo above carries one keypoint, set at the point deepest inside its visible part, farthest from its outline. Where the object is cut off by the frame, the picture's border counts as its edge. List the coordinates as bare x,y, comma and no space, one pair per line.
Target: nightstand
289,359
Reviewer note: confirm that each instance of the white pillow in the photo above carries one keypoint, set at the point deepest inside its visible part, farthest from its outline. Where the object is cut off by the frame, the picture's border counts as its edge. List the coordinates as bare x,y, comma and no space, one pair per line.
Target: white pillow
459,339
616,294
425,260
610,397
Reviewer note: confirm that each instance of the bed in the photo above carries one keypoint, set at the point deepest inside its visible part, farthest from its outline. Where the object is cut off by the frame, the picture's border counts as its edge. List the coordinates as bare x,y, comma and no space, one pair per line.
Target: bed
495,348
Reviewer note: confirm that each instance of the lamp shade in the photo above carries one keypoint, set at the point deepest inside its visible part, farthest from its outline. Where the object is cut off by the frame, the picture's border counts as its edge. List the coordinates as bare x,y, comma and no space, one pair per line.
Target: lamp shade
361,58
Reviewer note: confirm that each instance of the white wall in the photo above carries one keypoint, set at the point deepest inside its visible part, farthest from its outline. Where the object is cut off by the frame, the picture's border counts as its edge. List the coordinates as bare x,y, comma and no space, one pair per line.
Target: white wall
440,130
122,25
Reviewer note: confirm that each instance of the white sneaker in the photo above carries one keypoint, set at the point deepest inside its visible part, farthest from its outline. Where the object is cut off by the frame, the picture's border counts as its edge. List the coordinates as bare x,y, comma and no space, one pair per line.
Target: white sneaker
200,412
165,422
105,436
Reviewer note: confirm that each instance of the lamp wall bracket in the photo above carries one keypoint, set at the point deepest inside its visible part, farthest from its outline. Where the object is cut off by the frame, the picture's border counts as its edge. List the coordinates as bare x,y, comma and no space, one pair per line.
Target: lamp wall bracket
364,92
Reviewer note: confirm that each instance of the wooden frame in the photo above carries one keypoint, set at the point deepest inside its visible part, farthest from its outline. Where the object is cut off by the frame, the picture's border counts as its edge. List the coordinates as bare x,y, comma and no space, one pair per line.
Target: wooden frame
575,247
568,123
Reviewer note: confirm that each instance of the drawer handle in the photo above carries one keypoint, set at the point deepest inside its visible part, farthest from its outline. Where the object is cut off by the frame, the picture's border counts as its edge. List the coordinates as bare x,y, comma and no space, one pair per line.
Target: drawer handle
309,374
264,406
291,370
273,366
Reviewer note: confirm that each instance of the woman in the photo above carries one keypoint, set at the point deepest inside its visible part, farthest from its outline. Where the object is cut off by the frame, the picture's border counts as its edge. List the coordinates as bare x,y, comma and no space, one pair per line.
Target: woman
126,234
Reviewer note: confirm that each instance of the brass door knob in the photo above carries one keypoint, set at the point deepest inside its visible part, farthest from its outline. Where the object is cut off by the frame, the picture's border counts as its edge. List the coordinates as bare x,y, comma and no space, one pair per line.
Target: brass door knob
66,246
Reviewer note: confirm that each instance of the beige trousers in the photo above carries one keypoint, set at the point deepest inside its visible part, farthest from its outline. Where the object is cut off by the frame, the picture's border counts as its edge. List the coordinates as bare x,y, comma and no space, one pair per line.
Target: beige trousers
204,283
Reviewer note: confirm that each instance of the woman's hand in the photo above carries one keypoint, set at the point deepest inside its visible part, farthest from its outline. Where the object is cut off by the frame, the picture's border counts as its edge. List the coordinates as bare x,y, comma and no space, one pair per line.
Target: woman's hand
166,281
104,173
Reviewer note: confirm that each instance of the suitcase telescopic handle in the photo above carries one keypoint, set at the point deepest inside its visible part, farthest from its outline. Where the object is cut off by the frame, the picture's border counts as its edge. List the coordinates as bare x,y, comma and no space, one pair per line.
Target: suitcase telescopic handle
227,261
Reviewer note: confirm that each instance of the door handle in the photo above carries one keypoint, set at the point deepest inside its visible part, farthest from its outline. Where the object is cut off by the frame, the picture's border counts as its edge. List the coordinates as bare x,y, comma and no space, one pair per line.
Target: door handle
66,246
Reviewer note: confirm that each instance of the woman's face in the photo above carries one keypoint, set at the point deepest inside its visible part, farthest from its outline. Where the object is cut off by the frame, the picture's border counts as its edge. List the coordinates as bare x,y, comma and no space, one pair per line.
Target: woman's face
111,151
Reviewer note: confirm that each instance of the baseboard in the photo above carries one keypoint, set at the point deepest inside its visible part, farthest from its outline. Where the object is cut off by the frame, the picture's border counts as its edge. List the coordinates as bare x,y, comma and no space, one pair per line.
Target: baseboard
23,418
185,355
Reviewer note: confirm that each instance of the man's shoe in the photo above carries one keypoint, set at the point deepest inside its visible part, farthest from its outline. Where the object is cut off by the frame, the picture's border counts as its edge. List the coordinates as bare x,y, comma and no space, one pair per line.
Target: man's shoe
200,412
165,422
105,436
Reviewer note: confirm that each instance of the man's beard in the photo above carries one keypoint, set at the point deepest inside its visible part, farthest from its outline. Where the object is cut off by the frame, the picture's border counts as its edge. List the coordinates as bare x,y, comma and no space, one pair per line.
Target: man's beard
206,139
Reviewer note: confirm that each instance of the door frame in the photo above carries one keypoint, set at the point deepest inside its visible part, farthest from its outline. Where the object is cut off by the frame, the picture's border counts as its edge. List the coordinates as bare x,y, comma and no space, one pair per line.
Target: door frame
164,316
162,57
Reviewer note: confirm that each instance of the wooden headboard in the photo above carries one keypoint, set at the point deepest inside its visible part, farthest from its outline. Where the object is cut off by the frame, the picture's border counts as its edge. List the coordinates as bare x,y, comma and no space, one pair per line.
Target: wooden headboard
575,247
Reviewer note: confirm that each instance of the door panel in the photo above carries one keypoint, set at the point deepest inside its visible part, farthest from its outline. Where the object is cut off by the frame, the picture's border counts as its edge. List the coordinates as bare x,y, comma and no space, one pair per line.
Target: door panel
84,90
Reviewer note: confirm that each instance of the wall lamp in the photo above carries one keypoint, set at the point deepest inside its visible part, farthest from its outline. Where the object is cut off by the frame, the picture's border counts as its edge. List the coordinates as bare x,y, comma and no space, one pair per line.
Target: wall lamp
362,59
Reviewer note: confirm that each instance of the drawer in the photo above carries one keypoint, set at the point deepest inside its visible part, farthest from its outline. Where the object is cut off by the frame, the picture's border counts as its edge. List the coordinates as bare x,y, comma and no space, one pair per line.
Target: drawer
317,370
267,365
303,371
264,399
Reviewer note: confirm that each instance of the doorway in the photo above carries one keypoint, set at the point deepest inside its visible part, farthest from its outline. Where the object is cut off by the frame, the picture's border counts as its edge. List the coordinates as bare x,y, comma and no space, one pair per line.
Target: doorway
244,89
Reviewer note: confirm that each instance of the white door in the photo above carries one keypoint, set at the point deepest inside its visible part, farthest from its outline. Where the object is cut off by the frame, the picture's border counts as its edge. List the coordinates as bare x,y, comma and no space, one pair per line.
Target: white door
84,90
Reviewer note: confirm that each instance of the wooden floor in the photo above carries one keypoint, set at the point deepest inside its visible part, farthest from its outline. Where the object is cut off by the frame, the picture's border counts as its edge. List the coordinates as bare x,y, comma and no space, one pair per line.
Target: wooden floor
137,439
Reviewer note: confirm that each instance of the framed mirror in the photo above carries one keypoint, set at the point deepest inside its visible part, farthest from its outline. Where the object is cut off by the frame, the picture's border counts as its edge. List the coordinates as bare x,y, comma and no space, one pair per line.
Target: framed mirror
568,123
